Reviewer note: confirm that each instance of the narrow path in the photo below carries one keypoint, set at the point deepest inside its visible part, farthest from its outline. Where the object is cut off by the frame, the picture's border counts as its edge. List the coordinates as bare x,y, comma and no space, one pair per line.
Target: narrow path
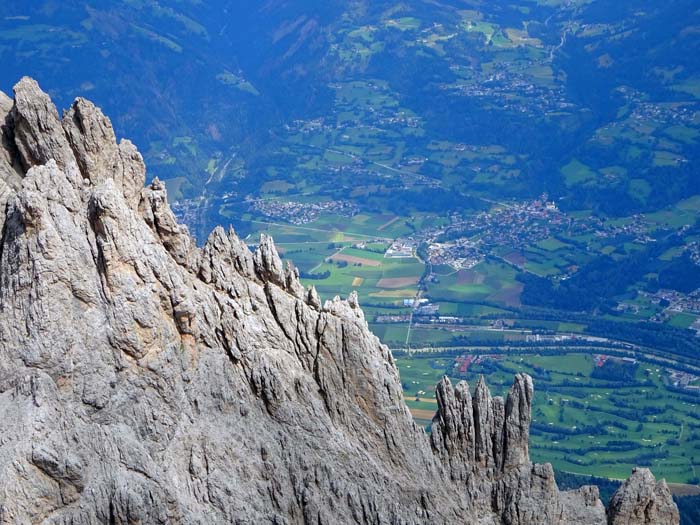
221,170
410,319
428,272
324,259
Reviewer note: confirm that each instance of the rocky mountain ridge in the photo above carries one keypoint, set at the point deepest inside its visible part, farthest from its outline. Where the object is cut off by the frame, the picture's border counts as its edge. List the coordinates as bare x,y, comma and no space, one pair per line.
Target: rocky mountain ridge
146,380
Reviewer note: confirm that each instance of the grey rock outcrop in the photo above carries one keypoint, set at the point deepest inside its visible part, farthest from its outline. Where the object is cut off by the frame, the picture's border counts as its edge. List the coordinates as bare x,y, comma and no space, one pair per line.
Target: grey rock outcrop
641,499
146,380
99,158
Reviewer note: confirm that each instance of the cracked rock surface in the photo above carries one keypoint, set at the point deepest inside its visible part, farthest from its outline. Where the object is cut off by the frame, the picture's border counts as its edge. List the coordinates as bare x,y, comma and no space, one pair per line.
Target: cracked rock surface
146,380
641,499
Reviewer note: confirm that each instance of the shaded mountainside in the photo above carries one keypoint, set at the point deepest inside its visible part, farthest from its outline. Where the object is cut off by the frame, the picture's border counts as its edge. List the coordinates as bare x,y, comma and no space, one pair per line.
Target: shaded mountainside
224,97
146,380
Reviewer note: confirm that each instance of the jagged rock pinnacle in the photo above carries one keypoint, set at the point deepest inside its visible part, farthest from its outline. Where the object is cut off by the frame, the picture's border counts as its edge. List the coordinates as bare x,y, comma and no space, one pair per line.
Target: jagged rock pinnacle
641,499
146,380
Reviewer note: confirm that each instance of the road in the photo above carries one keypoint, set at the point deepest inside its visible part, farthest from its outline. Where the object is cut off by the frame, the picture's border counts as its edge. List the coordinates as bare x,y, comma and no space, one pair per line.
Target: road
410,319
324,260
642,354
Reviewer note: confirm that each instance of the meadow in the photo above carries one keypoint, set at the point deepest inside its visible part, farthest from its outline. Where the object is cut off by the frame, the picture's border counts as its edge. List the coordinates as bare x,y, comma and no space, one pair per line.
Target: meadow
581,423
339,254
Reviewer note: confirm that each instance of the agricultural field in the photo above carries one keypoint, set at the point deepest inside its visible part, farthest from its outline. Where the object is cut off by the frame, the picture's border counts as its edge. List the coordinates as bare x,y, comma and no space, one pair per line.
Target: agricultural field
376,279
583,421
339,254
489,281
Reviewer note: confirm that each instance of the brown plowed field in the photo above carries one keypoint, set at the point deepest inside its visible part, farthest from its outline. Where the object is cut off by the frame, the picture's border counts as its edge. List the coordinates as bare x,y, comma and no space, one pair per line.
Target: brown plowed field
397,282
351,259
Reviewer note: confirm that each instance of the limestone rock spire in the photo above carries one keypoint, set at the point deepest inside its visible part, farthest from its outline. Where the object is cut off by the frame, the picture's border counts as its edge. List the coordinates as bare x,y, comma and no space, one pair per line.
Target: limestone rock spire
641,500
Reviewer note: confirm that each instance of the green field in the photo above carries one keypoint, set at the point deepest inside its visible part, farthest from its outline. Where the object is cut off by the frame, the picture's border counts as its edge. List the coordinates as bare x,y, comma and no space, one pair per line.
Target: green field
490,281
575,173
683,320
583,424
340,254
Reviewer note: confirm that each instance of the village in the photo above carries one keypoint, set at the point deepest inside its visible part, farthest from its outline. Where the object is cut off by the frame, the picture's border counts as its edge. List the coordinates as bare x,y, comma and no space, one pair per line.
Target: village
299,213
466,241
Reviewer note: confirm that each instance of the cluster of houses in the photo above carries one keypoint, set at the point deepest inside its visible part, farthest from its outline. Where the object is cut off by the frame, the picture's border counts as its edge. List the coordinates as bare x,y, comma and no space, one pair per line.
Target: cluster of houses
303,212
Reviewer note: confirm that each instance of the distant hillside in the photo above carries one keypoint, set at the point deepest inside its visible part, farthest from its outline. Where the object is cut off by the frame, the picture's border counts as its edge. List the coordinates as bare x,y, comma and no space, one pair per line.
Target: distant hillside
596,104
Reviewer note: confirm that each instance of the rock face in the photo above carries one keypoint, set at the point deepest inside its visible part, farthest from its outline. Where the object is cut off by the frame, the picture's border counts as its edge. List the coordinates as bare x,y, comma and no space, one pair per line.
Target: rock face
146,380
641,499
